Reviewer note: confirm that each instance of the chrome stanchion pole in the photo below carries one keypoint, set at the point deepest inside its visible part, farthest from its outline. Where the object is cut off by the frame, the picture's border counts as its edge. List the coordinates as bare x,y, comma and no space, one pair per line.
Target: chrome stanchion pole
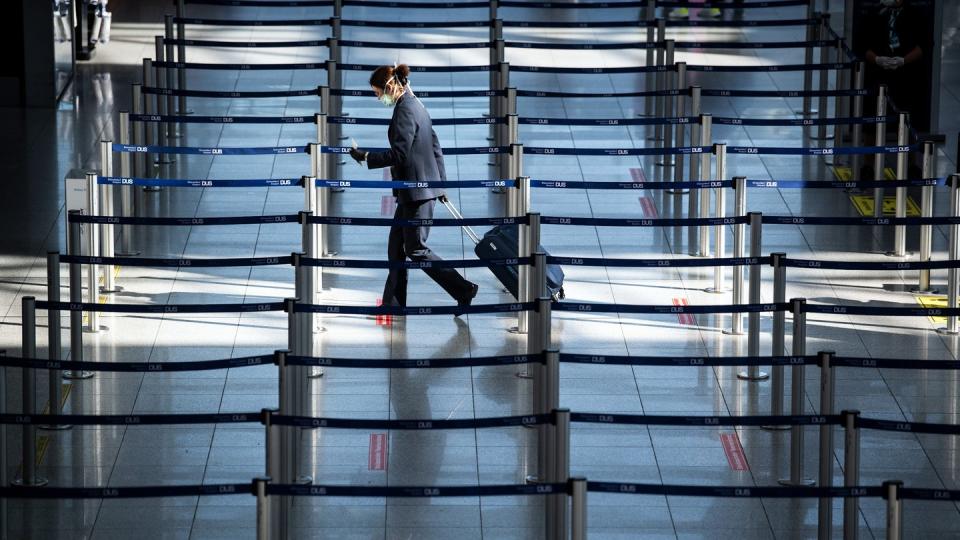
777,339
126,192
173,129
659,76
678,129
546,399
693,174
54,331
798,307
76,297
739,209
823,78
314,278
851,473
515,170
926,210
953,251
182,58
578,512
160,81
880,137
859,71
136,128
279,505
706,123
529,239
891,492
649,82
93,249
720,209
28,446
149,107
665,105
753,373
105,194
807,60
561,471
263,507
840,107
825,504
900,231
336,34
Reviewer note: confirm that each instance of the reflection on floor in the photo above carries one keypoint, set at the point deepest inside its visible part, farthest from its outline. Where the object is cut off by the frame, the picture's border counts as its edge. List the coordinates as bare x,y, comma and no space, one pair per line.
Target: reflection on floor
47,144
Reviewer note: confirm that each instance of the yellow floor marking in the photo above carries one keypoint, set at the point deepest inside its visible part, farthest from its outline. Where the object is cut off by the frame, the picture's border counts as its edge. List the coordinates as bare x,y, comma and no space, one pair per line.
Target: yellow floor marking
43,441
934,302
845,174
102,299
864,205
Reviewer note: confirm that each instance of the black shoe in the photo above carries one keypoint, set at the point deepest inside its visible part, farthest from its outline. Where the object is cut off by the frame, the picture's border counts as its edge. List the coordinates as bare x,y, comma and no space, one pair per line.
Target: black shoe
466,301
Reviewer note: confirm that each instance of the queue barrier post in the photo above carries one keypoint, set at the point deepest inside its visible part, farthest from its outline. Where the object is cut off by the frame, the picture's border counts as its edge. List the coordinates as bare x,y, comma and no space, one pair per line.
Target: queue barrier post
173,129
953,251
841,108
507,135
823,79
706,122
292,398
335,103
851,473
739,230
125,232
76,297
182,58
880,138
777,337
149,128
502,83
561,473
859,72
753,373
333,45
926,210
900,231
313,276
693,174
263,507
660,84
798,308
28,442
160,80
811,35
54,345
278,508
666,132
650,15
105,194
720,210
529,239
336,34
679,132
891,492
93,249
515,170
825,463
136,128
338,8
578,510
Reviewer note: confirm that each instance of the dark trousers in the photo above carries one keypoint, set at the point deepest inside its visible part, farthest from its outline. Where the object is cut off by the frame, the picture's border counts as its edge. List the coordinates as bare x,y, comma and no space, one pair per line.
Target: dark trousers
411,242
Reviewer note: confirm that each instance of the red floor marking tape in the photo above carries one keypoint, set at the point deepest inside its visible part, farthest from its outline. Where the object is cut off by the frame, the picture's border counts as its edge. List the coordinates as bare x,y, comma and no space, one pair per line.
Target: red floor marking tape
637,174
649,209
377,459
734,451
388,204
684,318
383,320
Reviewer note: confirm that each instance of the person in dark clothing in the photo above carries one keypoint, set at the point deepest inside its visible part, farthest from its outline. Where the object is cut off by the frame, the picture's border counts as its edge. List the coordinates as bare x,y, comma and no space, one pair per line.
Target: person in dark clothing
894,52
414,155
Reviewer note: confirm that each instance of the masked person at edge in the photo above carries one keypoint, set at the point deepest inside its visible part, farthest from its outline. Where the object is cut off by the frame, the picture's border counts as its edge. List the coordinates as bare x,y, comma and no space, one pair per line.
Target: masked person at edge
894,57
414,155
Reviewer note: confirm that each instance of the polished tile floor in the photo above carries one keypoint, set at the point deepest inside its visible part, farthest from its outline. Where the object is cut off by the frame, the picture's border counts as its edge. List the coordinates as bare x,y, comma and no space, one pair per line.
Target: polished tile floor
43,145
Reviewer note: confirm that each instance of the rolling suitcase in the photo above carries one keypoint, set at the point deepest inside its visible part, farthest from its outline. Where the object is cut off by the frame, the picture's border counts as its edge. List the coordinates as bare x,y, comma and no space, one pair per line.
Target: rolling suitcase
503,242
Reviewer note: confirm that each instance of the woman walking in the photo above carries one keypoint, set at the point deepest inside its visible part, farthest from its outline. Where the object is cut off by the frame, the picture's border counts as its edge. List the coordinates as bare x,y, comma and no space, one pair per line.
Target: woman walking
414,155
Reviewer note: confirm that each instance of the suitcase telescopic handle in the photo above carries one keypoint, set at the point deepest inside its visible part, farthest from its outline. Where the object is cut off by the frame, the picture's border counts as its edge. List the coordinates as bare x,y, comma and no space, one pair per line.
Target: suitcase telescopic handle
456,215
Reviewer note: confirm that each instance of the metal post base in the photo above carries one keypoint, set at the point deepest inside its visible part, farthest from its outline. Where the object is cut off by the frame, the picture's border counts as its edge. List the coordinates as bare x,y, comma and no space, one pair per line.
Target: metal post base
775,428
531,479
97,330
746,376
895,254
37,482
76,375
678,191
315,372
712,290
800,483
127,253
699,254
730,332
947,332
54,427
304,479
817,137
918,290
524,375
114,290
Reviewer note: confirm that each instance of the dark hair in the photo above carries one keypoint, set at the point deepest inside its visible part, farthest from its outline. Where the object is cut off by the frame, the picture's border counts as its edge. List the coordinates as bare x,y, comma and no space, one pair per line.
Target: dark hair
382,75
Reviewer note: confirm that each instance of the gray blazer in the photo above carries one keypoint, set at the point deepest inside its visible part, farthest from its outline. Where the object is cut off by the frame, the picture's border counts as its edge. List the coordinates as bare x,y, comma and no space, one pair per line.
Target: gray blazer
414,153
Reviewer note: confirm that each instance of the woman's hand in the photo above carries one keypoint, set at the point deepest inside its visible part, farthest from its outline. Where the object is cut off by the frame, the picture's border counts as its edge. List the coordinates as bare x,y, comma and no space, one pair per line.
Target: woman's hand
358,155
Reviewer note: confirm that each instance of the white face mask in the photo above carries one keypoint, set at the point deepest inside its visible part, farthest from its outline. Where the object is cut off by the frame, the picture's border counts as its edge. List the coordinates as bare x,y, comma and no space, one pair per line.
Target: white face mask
387,100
